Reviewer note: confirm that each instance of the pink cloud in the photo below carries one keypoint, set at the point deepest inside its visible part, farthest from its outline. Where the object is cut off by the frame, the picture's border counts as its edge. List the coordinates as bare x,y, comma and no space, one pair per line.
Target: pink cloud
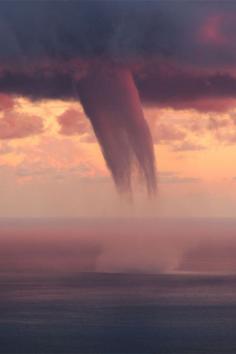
228,138
15,125
73,122
214,123
187,146
6,102
164,133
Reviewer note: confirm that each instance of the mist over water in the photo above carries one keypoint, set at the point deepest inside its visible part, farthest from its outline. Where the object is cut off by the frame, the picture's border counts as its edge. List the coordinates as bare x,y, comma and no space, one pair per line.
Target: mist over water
121,246
93,287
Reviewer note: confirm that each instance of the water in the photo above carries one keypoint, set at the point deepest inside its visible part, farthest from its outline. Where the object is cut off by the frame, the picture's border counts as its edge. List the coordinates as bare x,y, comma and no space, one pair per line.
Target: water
117,313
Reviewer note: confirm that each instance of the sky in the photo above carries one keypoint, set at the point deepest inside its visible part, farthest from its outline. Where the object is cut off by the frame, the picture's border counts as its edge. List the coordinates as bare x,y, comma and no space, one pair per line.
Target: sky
181,56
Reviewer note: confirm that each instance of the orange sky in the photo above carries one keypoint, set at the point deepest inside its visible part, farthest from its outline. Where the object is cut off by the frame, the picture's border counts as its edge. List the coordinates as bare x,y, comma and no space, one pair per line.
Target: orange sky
51,164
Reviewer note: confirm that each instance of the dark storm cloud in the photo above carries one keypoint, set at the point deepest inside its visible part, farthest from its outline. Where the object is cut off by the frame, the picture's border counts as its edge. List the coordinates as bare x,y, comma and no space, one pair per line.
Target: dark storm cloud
117,29
46,47
74,29
184,89
179,52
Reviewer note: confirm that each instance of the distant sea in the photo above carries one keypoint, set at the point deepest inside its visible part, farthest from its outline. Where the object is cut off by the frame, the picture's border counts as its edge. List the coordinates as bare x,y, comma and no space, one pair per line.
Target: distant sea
118,313
98,289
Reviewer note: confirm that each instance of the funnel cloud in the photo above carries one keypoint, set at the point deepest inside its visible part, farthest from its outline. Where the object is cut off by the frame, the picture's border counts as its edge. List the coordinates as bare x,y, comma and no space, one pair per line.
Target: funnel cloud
111,101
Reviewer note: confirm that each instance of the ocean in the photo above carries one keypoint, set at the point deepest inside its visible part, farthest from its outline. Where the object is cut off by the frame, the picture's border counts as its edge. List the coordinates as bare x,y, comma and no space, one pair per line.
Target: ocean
95,288
118,313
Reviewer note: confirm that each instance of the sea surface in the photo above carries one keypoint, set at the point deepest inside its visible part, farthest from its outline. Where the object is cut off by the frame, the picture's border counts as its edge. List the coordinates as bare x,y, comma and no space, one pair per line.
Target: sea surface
104,313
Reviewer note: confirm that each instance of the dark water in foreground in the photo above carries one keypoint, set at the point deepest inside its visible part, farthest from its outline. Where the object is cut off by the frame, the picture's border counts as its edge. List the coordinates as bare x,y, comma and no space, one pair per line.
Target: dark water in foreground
115,313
